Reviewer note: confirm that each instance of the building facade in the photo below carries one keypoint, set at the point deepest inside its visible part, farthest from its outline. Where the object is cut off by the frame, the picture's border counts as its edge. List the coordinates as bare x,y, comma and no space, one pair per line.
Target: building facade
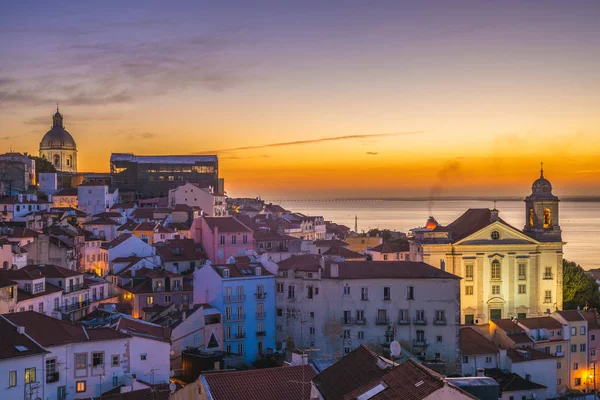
58,146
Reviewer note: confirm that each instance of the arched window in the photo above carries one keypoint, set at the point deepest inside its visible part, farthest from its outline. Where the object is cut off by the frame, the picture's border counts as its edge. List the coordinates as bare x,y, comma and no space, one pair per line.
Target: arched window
56,160
496,274
68,161
531,217
547,218
43,156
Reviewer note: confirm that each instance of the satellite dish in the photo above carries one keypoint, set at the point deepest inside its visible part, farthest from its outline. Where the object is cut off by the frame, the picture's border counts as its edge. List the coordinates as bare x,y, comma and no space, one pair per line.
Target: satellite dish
395,348
172,387
172,353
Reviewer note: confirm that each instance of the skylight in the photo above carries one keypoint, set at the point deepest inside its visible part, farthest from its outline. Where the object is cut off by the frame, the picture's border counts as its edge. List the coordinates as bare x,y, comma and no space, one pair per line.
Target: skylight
21,348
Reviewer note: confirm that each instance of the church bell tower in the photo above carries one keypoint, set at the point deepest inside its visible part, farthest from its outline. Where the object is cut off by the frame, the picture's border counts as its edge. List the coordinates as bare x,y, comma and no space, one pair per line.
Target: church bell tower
541,212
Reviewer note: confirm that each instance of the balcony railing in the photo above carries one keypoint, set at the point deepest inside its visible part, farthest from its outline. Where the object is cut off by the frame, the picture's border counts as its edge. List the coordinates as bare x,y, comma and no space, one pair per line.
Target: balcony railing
52,377
235,298
403,321
469,278
74,288
559,354
382,321
360,321
73,307
420,343
260,296
420,321
547,300
261,315
522,277
236,317
548,276
159,289
240,336
261,334
441,321
347,321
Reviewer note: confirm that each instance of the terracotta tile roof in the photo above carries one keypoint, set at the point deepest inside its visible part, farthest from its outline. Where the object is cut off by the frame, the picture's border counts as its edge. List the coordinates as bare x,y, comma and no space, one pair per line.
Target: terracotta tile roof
145,227
15,200
592,318
391,247
127,259
156,392
510,382
275,208
14,344
41,270
123,206
142,328
119,240
73,192
179,250
540,323
5,280
473,343
529,354
305,262
48,289
20,232
571,315
183,207
353,371
109,214
240,270
159,228
330,243
179,226
386,269
226,224
473,220
129,225
143,213
343,252
101,221
266,384
49,331
508,326
520,338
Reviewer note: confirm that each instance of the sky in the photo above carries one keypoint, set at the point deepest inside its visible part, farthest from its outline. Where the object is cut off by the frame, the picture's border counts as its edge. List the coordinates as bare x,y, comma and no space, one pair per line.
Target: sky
317,99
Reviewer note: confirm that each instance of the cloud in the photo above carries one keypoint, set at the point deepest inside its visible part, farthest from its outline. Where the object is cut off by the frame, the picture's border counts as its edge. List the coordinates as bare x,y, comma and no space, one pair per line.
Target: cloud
588,171
8,137
244,157
372,153
312,141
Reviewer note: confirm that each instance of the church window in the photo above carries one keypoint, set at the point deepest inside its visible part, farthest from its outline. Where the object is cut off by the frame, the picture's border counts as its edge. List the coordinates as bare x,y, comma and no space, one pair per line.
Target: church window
69,161
547,217
496,274
495,289
522,271
56,160
522,289
531,217
469,290
495,235
469,272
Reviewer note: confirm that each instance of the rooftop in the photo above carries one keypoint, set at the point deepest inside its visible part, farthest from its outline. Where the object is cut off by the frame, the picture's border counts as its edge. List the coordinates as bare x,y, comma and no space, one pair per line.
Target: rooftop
305,262
226,224
540,323
116,157
529,354
391,247
474,343
473,220
386,269
571,315
15,344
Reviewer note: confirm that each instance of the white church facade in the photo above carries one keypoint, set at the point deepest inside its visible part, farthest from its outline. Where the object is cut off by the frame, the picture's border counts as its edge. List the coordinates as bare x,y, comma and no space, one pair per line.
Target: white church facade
506,272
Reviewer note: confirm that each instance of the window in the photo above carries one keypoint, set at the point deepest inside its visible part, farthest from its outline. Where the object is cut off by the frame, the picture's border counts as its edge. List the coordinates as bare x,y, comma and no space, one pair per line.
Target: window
38,287
143,357
347,350
310,291
225,272
495,235
360,335
360,316
41,307
522,289
593,337
469,290
387,293
575,366
167,298
12,378
346,290
29,375
240,349
496,273
582,347
573,348
28,287
469,272
280,287
291,292
115,360
410,293
97,359
488,360
61,393
280,312
559,382
80,386
465,359
364,293
311,314
233,239
592,352
260,347
222,239
311,330
150,300
347,334
577,382
245,239
548,273
548,296
81,361
558,365
522,271
440,316
582,330
496,289
573,331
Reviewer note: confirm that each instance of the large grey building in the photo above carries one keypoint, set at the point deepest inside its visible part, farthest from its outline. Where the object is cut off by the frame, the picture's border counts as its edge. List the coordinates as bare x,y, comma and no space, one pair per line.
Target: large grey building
153,176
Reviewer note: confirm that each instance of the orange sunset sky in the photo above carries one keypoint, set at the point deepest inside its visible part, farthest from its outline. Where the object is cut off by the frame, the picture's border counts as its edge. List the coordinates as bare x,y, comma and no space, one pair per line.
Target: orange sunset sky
369,100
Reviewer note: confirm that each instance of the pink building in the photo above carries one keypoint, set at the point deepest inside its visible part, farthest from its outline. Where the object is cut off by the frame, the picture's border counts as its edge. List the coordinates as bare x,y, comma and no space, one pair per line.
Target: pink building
223,237
593,340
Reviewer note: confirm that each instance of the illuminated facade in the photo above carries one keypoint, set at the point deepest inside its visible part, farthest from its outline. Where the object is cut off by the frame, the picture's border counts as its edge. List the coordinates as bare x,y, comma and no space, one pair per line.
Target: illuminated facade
506,272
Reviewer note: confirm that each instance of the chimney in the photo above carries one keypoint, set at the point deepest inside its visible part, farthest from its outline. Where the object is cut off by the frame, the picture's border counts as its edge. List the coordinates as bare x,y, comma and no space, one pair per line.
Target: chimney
480,372
21,330
183,315
334,270
20,197
494,215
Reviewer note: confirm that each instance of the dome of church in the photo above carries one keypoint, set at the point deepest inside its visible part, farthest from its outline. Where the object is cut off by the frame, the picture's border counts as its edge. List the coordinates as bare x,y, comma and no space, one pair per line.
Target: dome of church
58,137
542,188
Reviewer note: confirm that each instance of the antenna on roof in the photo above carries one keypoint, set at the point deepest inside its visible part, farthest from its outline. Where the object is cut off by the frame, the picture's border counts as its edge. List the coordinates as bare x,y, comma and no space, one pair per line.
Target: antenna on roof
541,169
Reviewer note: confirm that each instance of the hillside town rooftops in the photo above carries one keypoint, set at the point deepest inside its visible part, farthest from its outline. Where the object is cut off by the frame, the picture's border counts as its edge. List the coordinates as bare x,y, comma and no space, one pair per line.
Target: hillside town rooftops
391,247
304,262
540,323
571,315
15,344
528,354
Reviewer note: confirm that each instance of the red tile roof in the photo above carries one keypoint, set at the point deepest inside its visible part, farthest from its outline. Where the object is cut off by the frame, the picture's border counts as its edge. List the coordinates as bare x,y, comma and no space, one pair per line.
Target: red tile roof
101,221
240,270
508,325
179,250
266,384
226,224
386,269
12,341
73,192
391,247
119,240
143,213
474,343
540,323
330,243
592,318
571,315
473,220
41,270
142,328
20,232
305,262
49,331
343,252
529,354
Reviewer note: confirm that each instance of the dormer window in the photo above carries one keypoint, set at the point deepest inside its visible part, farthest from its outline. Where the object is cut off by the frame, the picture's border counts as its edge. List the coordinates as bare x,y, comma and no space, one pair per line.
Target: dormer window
225,272
258,271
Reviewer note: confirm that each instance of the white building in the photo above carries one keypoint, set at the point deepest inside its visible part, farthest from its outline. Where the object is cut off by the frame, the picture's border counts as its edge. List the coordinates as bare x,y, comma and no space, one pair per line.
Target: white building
94,198
335,307
15,208
212,203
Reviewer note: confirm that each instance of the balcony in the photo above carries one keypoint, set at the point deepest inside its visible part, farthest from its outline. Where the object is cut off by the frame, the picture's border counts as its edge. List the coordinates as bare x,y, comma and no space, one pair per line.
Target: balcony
236,317
234,298
420,343
522,277
440,321
347,321
52,377
261,334
74,288
547,300
360,321
260,296
158,289
469,278
382,321
73,307
261,315
420,321
403,321
559,354
548,276
240,336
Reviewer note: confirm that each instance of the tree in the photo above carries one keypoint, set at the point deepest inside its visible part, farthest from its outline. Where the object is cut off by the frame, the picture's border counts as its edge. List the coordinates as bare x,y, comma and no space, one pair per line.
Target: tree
42,165
579,288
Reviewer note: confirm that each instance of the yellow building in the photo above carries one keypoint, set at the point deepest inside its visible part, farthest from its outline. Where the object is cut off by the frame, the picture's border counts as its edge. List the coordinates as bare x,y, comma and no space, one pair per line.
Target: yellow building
576,355
360,244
